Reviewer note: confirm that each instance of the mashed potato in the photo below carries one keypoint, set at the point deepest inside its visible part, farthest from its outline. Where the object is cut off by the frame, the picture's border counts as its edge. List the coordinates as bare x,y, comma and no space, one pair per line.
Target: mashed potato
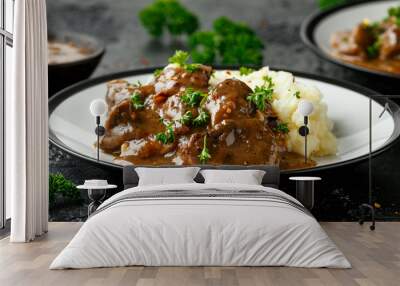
321,141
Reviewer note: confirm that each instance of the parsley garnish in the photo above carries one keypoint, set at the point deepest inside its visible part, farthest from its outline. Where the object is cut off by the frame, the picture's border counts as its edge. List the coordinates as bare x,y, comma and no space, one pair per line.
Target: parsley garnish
297,94
157,72
186,118
137,101
261,94
192,67
180,58
193,97
201,119
373,50
204,155
395,12
282,127
245,70
168,136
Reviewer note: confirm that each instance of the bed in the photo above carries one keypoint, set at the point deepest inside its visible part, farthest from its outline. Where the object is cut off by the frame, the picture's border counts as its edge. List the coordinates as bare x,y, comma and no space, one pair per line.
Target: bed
198,224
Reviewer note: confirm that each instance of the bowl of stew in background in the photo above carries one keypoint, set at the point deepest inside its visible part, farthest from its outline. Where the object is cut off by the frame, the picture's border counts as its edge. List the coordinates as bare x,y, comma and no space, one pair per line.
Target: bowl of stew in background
342,35
72,57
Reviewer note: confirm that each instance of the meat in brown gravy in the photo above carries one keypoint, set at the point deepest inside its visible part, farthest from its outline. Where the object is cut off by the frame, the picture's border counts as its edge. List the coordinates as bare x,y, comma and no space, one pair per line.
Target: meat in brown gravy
372,45
235,131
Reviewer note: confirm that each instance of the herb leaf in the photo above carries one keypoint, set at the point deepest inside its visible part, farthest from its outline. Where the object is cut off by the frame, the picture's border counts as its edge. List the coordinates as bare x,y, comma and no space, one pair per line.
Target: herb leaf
192,67
261,94
168,136
193,97
202,119
245,70
297,94
282,127
205,154
186,118
373,50
180,58
137,101
394,12
157,72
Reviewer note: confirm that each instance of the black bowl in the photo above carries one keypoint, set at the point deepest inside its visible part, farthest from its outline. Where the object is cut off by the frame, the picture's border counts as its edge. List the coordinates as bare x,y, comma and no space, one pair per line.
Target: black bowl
310,24
65,74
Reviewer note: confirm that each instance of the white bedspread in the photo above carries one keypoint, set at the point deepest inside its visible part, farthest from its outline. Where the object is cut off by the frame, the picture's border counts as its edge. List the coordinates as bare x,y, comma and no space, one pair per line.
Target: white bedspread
200,231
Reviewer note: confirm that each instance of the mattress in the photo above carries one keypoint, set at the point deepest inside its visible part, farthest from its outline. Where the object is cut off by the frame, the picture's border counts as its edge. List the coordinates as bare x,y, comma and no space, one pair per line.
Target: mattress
201,225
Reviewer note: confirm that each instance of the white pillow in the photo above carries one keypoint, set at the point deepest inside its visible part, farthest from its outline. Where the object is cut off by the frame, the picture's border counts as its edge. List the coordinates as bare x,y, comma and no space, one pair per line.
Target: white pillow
248,177
166,176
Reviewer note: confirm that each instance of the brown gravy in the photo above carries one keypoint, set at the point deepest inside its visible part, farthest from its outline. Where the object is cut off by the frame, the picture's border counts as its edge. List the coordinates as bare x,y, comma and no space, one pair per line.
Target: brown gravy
388,65
236,132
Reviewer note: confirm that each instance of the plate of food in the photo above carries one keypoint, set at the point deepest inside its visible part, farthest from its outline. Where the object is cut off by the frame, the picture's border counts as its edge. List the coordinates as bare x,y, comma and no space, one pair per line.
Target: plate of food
364,36
189,114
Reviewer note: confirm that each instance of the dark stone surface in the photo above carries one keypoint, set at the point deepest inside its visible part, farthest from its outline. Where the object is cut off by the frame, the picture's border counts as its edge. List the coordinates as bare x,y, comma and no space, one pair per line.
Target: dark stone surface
278,23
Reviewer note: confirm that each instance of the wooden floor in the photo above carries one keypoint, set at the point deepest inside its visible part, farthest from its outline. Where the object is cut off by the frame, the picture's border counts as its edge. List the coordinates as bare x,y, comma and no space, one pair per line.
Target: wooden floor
375,257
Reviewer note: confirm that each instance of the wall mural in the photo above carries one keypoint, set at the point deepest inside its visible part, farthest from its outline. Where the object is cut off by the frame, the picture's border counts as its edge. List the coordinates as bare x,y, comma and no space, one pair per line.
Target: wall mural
246,91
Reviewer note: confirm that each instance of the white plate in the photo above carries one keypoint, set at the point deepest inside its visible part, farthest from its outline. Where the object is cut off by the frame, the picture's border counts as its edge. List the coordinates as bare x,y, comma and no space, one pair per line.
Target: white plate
72,126
318,28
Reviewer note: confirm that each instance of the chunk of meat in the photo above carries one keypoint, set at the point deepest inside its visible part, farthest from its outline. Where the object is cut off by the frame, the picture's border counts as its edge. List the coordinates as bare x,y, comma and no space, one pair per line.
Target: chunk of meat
124,123
390,43
174,79
144,148
228,100
362,36
119,90
237,142
344,44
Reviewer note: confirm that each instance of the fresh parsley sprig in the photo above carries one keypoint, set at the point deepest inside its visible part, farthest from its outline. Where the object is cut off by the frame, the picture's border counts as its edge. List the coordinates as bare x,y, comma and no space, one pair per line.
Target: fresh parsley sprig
168,136
157,72
205,154
193,97
245,70
186,118
282,127
395,12
373,50
262,94
136,101
180,58
202,119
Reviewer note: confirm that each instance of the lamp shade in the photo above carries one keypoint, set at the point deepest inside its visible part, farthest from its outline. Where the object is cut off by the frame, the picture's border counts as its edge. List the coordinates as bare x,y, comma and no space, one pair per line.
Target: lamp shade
305,107
98,107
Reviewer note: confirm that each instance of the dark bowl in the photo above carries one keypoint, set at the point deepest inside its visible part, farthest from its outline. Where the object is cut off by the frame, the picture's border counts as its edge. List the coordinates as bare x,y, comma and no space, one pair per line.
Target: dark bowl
311,23
65,74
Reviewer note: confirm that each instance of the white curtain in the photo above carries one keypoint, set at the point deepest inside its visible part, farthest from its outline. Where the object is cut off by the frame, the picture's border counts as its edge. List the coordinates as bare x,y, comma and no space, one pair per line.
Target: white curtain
27,124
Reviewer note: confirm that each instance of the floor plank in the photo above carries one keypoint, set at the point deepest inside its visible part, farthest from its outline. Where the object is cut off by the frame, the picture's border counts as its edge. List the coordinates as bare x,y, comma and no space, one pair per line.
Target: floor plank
375,257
